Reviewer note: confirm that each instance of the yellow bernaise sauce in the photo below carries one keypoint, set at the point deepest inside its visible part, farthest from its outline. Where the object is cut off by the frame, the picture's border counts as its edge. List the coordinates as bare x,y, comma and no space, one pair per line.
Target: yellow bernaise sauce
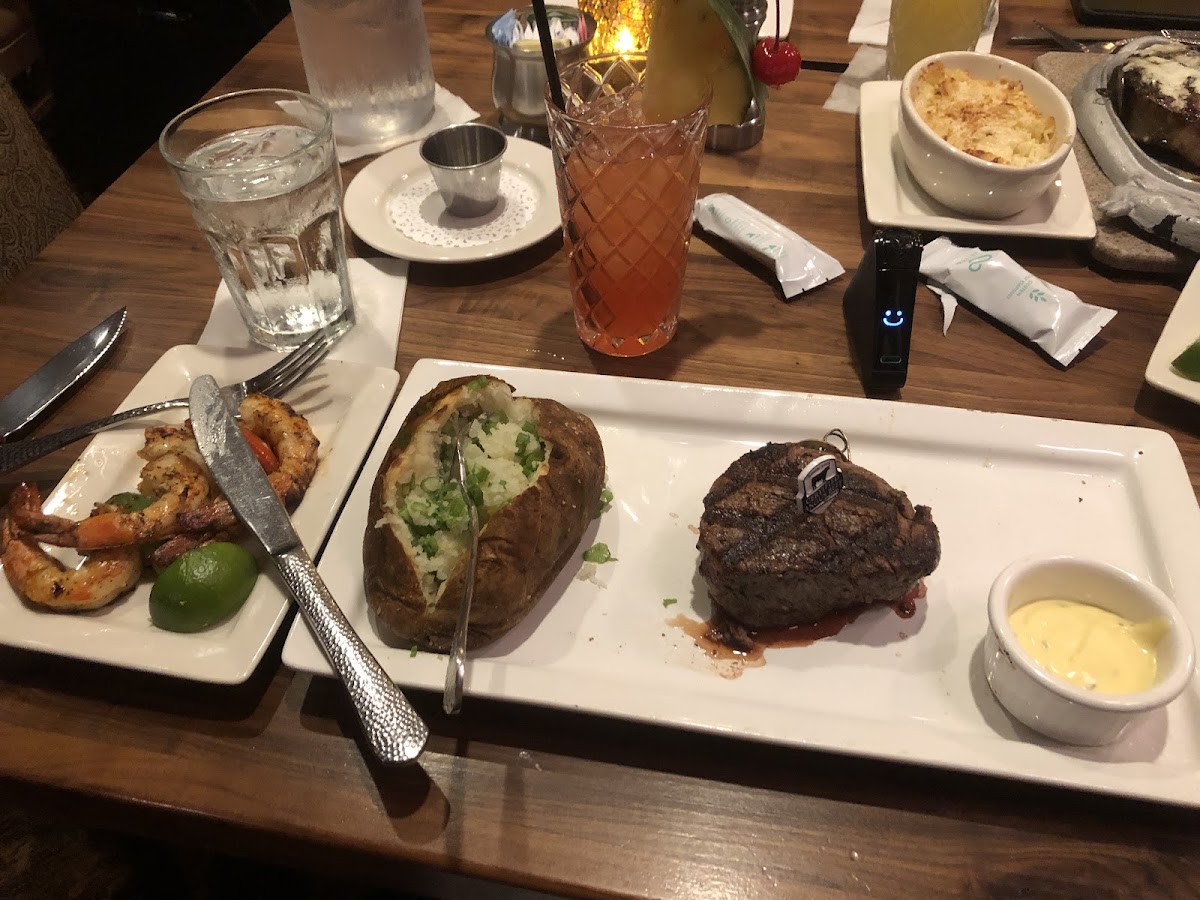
1090,647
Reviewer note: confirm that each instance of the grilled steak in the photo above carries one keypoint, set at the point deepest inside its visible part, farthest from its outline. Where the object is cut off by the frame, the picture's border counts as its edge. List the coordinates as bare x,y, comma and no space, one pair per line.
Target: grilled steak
771,565
1159,99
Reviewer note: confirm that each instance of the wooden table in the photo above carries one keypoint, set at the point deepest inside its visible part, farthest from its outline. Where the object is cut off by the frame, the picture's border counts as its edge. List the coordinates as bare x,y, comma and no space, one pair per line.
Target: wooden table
547,800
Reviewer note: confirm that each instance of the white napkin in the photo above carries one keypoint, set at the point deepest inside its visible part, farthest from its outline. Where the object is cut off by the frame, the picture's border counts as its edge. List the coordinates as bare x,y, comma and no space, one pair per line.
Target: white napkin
871,25
448,109
378,285
870,61
869,64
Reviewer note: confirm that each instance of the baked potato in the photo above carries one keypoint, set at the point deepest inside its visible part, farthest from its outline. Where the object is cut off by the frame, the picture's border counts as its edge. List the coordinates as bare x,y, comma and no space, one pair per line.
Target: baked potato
535,470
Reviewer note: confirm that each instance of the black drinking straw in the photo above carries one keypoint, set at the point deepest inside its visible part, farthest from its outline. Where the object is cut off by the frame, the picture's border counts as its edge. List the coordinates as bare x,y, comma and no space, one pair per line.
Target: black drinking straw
543,27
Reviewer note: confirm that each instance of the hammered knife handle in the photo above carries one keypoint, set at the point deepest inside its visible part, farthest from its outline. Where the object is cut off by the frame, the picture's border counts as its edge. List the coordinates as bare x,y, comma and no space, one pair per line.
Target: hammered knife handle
15,454
394,730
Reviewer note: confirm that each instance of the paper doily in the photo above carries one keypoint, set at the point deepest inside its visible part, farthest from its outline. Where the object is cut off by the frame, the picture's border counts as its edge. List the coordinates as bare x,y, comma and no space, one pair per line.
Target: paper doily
419,213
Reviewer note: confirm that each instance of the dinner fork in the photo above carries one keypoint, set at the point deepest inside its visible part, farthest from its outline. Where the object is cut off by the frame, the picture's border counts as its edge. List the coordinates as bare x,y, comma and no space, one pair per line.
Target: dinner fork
274,382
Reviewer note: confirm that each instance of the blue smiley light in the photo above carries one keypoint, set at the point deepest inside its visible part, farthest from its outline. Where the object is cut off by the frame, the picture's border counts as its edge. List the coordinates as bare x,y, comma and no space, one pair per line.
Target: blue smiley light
893,318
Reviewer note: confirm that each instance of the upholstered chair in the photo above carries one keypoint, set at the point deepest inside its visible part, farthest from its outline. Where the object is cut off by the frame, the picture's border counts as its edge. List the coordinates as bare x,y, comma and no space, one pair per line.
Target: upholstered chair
36,199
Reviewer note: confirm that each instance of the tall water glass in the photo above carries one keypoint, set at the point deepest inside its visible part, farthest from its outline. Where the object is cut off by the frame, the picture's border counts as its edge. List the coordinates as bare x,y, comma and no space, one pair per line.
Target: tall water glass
627,194
369,61
259,172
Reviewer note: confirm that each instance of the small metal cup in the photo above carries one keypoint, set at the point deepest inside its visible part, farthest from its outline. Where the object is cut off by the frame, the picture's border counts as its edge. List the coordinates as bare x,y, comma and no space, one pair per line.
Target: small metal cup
465,161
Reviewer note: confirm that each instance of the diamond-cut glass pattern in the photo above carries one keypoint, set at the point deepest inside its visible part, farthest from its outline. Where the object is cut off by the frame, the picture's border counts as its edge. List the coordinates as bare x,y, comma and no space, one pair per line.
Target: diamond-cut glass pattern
627,193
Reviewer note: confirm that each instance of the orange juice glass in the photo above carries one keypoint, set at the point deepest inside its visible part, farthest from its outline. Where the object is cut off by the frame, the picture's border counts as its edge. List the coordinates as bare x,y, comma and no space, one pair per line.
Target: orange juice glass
627,194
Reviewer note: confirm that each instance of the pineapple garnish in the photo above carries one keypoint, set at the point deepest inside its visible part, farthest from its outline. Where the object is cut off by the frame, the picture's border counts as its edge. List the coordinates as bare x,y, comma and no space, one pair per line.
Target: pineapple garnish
695,44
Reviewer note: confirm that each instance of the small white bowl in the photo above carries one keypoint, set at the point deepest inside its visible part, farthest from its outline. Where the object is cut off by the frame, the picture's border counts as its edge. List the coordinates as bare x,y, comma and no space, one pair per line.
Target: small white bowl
958,180
1056,707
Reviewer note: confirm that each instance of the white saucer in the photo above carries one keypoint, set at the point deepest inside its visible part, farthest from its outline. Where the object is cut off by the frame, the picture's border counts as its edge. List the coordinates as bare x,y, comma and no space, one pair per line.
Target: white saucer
402,172
1181,329
894,199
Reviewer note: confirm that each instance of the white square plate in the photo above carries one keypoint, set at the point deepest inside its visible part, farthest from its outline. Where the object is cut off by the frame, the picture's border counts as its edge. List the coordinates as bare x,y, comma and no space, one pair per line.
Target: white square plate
894,199
1181,329
344,403
1000,486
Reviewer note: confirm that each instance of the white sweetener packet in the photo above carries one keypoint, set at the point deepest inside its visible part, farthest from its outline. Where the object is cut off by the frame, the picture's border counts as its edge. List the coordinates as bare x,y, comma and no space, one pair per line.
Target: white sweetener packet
1051,317
799,265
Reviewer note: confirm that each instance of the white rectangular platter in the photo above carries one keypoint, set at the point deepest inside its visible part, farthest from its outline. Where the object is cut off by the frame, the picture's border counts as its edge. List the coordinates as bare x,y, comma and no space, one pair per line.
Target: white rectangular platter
344,403
1001,487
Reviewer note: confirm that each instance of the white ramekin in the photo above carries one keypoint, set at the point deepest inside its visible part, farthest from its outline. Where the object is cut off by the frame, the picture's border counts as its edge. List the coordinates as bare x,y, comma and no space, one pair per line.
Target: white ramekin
1049,704
960,181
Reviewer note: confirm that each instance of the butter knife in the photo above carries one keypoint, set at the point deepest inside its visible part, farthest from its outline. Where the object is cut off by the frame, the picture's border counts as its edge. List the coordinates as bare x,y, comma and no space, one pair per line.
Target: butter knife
64,370
393,728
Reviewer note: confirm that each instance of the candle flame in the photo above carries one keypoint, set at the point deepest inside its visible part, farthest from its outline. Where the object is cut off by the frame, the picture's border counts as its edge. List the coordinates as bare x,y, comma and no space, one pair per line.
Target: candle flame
625,42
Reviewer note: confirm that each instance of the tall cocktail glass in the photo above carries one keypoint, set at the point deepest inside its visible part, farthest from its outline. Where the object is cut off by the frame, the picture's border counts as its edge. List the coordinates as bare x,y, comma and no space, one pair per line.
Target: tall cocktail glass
627,194
260,175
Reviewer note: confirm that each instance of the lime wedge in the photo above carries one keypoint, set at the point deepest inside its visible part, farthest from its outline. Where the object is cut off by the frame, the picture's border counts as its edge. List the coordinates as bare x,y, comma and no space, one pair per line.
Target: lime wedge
1187,363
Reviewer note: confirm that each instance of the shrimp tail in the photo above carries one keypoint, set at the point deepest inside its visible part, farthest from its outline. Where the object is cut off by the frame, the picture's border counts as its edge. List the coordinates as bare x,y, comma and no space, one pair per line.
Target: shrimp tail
25,507
174,547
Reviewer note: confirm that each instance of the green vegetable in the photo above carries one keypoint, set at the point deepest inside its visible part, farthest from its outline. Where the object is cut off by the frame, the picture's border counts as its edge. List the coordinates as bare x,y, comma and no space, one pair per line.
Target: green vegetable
489,423
476,383
1187,363
129,502
437,506
412,652
598,553
476,479
203,587
669,601
606,498
531,452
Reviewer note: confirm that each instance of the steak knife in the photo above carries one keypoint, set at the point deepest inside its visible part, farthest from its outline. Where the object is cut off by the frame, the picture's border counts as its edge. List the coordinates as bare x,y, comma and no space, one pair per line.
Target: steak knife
71,365
394,730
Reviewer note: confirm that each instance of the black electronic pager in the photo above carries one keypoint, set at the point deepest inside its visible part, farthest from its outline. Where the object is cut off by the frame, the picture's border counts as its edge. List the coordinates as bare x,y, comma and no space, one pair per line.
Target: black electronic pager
878,307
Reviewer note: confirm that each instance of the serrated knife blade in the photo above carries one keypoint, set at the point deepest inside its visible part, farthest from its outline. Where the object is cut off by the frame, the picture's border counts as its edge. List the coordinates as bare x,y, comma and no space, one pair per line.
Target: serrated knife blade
393,729
60,373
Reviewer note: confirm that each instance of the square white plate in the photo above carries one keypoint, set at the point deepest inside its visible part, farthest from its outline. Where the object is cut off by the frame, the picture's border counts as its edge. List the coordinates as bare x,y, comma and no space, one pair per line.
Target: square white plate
894,199
344,403
1183,327
1000,486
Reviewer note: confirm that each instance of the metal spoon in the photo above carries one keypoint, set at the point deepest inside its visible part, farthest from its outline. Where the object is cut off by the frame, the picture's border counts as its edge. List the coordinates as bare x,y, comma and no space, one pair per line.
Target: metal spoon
456,665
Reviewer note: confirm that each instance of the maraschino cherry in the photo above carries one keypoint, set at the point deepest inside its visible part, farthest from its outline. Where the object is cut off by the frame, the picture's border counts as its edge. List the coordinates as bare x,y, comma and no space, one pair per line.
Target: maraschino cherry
776,62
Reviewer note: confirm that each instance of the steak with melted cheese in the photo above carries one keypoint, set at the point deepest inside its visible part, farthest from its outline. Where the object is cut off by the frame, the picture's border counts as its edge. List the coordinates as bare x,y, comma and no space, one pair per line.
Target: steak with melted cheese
1159,98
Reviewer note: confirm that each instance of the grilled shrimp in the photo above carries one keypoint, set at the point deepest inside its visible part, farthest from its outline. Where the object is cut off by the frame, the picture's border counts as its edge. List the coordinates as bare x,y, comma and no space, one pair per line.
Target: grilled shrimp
41,579
295,446
174,481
